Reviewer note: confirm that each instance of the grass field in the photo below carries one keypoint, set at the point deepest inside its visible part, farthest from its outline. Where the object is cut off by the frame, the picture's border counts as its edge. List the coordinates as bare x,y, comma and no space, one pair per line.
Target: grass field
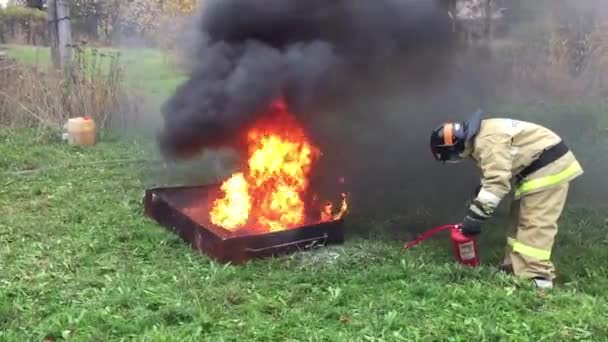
146,69
79,262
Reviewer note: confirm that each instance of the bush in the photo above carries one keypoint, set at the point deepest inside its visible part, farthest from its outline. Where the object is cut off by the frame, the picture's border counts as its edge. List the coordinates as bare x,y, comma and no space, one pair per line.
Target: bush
31,97
22,24
21,14
556,61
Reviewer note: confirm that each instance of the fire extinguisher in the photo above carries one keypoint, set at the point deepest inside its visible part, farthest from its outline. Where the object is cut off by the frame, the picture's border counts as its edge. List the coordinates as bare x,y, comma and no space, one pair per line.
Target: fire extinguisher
466,251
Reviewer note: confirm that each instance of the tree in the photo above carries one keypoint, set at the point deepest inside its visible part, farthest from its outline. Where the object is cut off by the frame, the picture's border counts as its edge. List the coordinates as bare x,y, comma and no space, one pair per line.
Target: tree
88,15
150,20
179,7
39,4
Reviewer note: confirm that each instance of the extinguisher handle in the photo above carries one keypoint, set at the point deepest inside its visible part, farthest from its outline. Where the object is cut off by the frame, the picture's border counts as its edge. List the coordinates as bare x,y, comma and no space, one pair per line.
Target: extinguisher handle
428,234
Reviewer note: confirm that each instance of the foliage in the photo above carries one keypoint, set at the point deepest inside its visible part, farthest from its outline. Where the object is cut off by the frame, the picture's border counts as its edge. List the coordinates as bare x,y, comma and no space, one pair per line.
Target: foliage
16,21
30,96
564,56
145,70
80,262
159,22
115,21
181,7
21,14
137,20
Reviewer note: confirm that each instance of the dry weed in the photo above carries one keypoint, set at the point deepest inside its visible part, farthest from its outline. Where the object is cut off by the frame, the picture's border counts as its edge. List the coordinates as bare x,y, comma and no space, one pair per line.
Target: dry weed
94,86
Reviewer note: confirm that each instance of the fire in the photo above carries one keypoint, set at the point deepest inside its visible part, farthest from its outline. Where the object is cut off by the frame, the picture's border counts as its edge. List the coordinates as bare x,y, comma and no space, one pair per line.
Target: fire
232,211
269,193
327,213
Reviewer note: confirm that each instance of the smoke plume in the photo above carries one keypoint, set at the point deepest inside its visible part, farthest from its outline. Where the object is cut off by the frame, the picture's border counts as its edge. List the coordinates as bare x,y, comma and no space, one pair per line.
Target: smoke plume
248,53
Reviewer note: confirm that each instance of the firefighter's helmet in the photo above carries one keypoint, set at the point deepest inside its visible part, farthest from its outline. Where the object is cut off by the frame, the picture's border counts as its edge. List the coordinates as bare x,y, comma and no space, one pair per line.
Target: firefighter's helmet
448,142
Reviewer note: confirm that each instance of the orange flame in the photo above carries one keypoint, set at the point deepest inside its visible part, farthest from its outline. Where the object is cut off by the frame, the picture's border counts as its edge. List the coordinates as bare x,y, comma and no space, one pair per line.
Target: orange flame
269,194
232,211
327,213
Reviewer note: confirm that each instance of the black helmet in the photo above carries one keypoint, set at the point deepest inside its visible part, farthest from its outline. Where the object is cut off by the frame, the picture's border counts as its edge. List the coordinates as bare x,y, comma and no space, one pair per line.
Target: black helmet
447,141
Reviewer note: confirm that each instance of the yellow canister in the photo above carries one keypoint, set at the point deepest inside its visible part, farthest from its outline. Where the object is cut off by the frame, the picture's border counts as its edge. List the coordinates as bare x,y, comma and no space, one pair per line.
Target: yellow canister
81,131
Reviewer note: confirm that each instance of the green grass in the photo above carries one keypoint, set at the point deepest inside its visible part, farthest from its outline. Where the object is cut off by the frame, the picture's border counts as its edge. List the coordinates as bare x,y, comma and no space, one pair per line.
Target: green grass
80,262
146,69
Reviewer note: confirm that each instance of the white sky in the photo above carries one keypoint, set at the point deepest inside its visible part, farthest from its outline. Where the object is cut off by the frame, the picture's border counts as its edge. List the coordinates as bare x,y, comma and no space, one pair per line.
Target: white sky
3,2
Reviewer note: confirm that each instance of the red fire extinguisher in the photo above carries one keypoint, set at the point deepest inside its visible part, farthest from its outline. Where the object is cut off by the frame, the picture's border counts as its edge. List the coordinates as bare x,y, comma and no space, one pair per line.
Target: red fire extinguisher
465,248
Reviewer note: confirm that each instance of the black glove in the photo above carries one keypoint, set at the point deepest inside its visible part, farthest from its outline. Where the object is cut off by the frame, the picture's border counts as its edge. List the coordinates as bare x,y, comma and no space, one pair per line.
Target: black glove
476,191
471,226
473,197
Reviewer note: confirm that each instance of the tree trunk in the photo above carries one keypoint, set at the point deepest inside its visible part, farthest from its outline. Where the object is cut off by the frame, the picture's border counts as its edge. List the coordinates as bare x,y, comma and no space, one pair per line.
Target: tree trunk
92,26
2,33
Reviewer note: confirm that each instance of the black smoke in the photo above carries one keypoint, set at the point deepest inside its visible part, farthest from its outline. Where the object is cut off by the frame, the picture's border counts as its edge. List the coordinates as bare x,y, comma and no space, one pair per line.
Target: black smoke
369,80
317,54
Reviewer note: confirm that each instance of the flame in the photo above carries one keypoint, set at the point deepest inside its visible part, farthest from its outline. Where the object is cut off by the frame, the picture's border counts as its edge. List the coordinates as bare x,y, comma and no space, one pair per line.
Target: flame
232,211
327,213
269,194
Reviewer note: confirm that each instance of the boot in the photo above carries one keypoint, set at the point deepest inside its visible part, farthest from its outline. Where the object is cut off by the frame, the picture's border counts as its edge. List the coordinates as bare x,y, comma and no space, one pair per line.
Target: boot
506,268
542,283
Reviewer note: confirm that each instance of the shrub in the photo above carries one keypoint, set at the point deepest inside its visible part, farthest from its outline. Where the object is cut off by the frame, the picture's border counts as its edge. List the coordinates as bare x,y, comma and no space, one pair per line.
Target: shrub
94,85
22,24
557,61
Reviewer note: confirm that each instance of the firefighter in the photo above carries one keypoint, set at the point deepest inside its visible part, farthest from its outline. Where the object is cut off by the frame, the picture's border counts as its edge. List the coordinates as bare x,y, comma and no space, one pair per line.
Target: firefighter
524,157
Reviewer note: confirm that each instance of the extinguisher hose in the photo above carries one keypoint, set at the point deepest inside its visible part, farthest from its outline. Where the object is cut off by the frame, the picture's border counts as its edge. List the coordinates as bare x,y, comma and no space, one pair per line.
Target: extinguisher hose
430,233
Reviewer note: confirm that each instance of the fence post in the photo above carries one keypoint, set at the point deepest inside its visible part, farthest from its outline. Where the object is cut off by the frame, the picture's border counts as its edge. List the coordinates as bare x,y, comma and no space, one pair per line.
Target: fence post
64,32
60,33
53,34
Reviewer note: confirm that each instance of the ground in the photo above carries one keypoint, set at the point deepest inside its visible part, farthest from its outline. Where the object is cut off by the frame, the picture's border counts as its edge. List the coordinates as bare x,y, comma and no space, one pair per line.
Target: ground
80,262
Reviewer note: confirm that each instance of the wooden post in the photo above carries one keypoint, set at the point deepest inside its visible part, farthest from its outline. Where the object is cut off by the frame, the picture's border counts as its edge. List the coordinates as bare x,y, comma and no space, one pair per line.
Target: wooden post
64,32
488,23
53,35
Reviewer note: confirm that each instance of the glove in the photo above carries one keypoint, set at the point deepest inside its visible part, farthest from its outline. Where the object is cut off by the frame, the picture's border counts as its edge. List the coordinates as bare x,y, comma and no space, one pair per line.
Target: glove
473,196
471,226
476,191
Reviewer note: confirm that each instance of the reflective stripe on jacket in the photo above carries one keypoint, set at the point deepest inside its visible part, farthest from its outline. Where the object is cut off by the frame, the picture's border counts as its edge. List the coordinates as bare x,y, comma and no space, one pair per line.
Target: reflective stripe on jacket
502,149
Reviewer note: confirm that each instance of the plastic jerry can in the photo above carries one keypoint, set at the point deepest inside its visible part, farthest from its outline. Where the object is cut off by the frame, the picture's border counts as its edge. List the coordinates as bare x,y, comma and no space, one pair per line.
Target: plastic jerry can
81,131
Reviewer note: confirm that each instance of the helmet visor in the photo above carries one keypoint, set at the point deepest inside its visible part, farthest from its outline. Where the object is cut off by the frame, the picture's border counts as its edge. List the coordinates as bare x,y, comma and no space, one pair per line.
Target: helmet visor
446,154
454,159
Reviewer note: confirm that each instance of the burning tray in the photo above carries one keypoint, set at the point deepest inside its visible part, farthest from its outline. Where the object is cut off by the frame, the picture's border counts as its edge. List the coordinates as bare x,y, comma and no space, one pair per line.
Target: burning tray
184,210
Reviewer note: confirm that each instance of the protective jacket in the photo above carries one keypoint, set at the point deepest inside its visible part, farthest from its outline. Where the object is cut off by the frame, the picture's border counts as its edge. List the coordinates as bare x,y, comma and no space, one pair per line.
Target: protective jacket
517,155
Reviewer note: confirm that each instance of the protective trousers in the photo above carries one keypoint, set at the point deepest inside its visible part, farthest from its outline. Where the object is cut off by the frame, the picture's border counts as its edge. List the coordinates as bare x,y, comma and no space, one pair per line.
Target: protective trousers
532,232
